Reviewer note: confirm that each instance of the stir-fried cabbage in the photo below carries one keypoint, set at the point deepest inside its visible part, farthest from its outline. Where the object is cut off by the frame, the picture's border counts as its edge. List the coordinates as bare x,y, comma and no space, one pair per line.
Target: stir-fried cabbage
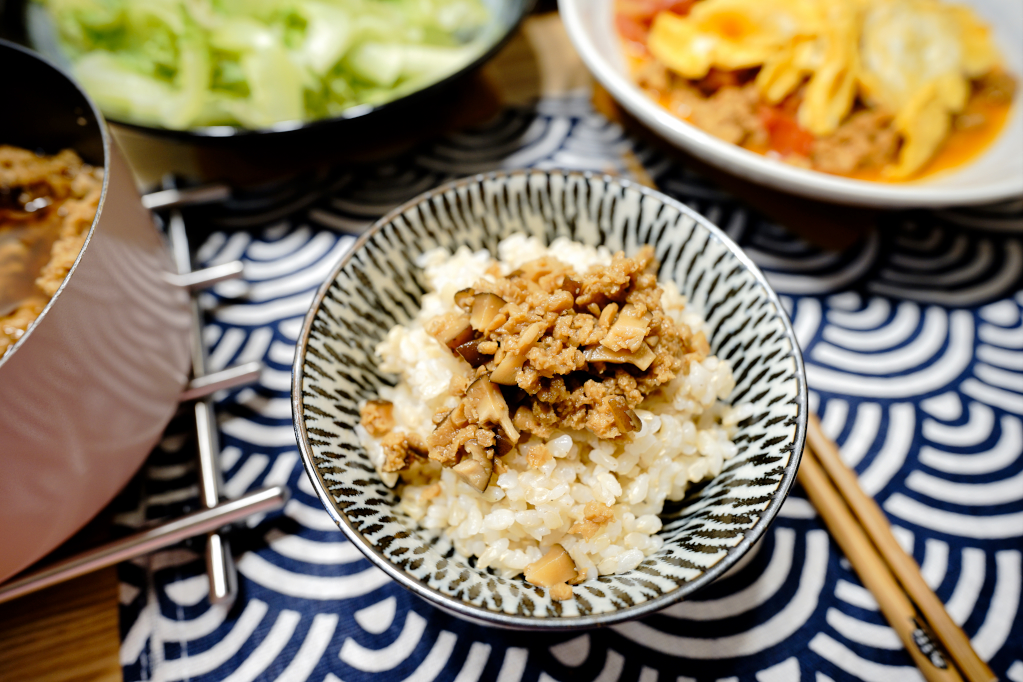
258,63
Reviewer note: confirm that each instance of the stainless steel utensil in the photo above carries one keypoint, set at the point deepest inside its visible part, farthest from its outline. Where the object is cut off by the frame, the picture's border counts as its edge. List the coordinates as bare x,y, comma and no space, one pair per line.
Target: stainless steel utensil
219,563
146,541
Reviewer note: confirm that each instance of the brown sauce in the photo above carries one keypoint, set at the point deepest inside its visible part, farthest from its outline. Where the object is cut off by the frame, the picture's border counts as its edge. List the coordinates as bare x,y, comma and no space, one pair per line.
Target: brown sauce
47,204
24,251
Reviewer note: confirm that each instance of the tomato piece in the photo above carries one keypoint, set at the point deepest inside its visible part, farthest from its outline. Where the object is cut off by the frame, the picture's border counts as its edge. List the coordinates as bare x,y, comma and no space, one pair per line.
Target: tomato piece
719,78
634,17
631,28
680,7
644,11
786,135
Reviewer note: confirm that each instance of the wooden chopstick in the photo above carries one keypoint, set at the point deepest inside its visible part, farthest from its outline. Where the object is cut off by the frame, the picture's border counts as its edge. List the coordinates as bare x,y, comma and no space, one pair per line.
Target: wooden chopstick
875,529
875,524
873,572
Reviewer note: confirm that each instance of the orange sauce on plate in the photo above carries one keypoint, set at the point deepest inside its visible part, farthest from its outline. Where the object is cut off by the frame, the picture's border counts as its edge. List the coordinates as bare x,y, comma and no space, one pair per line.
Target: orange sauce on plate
960,147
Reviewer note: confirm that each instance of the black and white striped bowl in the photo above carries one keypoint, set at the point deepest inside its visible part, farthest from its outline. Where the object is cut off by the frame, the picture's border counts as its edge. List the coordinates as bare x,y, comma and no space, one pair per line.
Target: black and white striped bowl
377,285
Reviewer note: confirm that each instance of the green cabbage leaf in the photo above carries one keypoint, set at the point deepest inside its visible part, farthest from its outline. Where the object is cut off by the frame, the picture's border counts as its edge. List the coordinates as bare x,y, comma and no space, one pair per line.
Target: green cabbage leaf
260,64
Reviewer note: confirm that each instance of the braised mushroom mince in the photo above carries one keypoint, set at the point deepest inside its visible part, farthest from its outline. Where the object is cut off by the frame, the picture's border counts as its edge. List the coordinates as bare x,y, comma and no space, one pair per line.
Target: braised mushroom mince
550,401
566,349
47,204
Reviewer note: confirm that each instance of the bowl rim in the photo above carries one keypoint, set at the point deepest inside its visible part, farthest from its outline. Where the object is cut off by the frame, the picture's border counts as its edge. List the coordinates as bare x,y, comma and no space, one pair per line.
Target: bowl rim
482,615
764,171
104,132
227,133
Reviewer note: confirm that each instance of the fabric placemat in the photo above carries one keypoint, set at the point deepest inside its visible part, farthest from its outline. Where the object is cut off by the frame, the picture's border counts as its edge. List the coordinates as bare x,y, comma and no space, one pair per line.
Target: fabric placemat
913,345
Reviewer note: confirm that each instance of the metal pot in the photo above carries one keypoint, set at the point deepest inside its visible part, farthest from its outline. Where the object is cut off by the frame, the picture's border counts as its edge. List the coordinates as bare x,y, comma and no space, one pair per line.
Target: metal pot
87,391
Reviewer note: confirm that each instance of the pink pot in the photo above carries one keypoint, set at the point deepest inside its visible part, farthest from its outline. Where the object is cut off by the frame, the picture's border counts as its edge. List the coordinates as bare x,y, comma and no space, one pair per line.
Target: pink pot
86,393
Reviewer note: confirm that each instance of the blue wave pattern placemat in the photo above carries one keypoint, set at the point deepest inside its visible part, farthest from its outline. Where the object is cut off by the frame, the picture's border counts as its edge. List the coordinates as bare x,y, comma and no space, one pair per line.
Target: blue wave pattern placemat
914,351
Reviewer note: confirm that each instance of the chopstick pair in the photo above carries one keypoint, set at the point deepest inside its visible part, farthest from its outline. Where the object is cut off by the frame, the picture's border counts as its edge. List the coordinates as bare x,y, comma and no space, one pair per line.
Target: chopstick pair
939,647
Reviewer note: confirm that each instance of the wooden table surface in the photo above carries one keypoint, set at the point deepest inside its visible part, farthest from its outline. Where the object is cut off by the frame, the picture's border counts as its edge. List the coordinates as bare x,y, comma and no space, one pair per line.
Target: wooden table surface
70,632
63,634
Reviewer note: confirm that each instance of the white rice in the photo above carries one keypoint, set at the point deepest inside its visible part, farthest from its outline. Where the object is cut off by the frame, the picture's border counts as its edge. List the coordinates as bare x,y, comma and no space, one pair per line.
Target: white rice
685,438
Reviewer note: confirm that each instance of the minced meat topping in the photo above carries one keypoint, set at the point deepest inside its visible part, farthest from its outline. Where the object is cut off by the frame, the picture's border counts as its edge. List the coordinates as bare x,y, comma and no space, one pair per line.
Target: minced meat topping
551,347
400,449
378,417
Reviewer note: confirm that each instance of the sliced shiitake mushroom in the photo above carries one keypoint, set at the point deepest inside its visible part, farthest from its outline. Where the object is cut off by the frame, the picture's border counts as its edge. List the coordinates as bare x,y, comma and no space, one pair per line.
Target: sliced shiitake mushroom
445,443
625,419
475,473
471,354
449,424
486,399
642,358
485,308
509,367
514,396
476,451
456,418
555,567
456,332
502,443
464,298
476,468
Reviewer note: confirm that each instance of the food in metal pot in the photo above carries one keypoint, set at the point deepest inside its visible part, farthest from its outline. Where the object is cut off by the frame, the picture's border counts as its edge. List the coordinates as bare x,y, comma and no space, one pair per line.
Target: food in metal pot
47,205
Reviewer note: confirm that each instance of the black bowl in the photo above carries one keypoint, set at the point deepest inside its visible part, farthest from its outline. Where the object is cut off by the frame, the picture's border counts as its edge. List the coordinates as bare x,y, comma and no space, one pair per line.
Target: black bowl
26,23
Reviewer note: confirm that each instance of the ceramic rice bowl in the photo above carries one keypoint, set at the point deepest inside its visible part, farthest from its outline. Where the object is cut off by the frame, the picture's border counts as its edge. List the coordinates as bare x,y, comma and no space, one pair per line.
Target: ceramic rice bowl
377,285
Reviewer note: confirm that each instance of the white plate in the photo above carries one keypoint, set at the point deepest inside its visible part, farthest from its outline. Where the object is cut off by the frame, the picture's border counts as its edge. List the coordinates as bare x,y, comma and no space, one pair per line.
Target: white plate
995,176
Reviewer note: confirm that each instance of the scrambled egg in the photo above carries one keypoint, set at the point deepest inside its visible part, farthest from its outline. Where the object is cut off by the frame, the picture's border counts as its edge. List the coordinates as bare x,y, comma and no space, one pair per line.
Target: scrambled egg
910,58
731,34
